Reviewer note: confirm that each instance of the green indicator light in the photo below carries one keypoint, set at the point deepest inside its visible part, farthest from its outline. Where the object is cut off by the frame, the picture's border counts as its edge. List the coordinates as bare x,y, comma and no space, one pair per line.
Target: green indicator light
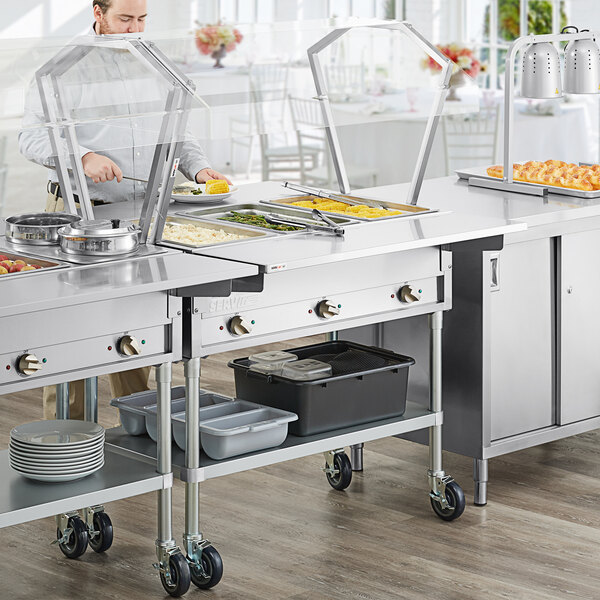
253,321
143,341
44,360
420,291
339,306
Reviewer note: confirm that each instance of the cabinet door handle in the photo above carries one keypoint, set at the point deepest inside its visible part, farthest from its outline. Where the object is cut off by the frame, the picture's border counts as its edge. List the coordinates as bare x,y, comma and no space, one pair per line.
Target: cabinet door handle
495,272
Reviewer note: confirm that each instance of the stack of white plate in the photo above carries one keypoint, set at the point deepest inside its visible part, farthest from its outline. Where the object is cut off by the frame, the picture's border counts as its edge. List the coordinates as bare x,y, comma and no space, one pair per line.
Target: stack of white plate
57,450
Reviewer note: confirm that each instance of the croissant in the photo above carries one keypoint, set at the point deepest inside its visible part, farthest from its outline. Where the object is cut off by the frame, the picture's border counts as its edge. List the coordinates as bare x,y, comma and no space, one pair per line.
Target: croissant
556,173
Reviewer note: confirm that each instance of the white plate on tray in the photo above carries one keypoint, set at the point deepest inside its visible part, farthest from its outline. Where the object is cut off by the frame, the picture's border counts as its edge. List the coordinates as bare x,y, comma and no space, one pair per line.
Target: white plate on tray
59,477
202,198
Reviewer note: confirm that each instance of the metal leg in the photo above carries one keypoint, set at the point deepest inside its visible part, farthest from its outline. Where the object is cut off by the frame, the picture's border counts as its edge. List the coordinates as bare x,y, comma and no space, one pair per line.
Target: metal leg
165,544
480,477
435,395
192,452
62,401
90,407
356,457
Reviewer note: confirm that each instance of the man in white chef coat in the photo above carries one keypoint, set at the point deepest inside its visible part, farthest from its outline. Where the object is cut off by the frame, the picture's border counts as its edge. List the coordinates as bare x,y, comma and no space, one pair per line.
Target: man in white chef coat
105,168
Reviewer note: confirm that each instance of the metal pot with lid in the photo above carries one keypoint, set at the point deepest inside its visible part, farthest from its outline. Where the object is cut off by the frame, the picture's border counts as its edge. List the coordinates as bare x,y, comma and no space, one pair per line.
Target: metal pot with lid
38,229
100,237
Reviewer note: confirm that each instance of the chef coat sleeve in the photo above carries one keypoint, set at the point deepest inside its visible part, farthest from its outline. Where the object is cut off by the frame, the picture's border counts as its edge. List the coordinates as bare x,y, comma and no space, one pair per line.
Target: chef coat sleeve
34,138
193,158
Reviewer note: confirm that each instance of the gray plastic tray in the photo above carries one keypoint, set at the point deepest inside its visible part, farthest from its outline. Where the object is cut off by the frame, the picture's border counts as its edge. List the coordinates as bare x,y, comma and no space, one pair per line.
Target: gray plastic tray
223,406
244,432
138,411
134,408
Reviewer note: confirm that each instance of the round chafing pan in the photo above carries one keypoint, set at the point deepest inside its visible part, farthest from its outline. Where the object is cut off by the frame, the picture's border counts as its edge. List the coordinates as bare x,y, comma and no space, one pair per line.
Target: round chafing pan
39,229
100,238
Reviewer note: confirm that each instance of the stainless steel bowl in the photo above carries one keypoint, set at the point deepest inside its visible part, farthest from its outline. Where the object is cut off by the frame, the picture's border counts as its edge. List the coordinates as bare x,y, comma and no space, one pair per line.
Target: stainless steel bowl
100,238
38,229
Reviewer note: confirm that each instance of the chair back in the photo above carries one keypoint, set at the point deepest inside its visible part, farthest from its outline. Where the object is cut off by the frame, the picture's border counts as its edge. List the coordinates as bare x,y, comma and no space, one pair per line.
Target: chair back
345,80
471,139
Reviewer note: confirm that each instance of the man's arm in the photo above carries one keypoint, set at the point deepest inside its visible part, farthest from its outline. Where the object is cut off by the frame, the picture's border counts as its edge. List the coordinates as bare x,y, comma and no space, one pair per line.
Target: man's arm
194,163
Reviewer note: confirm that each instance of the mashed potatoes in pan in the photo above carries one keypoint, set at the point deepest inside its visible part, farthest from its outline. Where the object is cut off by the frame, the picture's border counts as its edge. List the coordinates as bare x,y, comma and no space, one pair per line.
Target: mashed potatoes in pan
196,235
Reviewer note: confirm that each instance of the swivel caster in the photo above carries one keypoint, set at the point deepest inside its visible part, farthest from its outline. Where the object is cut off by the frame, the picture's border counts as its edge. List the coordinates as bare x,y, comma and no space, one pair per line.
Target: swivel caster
454,505
177,580
72,536
207,574
338,470
100,534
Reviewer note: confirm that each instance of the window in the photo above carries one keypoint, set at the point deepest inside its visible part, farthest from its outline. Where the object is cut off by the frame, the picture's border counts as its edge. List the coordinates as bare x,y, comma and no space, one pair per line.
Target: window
491,26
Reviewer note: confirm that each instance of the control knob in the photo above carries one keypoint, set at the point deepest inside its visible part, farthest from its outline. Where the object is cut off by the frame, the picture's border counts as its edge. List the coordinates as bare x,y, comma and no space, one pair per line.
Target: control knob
327,309
129,346
239,326
28,364
409,294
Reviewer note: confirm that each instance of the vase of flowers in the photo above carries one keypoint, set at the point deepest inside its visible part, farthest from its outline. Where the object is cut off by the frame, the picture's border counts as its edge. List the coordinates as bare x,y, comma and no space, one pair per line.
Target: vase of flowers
217,40
464,63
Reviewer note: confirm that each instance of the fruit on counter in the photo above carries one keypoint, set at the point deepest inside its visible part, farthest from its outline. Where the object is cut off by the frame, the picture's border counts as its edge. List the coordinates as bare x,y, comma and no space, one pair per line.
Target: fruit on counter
30,268
357,210
15,268
554,172
257,221
217,186
3,257
3,271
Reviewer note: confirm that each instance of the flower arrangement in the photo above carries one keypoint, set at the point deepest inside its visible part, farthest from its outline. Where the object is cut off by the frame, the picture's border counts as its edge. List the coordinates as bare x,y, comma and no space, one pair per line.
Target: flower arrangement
211,38
460,55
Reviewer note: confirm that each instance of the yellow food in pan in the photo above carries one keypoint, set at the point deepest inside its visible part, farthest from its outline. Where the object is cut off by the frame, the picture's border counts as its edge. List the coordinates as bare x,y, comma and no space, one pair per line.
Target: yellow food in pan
351,210
554,172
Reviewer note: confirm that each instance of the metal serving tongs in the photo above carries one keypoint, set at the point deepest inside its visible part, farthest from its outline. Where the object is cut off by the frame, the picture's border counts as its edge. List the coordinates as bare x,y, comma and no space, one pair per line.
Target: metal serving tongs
329,227
306,189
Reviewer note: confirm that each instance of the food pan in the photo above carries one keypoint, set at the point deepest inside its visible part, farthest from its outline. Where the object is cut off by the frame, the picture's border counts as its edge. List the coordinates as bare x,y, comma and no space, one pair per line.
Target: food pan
408,210
248,233
247,431
222,406
44,265
295,215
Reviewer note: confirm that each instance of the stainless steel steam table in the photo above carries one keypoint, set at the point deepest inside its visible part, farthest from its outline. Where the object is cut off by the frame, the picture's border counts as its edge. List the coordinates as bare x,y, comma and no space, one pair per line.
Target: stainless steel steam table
362,273
72,321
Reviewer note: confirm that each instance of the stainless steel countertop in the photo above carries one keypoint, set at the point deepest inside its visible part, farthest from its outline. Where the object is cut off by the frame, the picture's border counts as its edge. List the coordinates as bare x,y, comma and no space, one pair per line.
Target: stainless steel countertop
90,283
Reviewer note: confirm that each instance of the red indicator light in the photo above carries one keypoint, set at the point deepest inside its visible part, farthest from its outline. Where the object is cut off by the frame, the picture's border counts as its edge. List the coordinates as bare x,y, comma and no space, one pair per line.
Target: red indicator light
109,348
310,311
221,328
393,296
8,367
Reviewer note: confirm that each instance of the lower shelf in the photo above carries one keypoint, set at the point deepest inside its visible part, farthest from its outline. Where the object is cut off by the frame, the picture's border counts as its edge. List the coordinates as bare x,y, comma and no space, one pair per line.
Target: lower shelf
121,477
143,448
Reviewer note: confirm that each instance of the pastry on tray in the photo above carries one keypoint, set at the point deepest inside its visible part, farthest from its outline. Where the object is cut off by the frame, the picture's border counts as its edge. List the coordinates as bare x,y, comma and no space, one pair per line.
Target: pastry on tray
555,173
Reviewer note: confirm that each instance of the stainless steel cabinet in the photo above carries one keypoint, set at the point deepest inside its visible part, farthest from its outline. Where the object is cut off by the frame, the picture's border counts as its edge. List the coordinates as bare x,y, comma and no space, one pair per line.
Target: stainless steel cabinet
519,334
579,337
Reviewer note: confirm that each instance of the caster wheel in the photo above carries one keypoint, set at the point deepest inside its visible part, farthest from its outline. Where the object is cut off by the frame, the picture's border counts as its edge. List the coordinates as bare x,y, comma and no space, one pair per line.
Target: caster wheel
341,480
212,567
77,543
103,539
180,576
456,503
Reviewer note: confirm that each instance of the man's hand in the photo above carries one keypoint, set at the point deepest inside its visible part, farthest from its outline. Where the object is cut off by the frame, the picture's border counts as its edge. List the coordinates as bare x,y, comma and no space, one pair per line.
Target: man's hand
206,174
99,168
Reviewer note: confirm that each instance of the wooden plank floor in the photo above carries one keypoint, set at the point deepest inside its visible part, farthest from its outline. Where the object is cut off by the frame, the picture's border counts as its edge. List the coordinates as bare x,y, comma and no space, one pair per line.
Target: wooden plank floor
285,534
